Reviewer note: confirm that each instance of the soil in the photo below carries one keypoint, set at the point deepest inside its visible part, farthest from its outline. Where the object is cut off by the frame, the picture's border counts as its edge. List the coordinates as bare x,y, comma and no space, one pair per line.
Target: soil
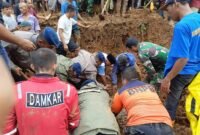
109,36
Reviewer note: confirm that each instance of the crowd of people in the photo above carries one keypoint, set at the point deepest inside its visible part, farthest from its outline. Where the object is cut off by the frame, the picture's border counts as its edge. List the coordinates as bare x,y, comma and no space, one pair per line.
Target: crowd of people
57,90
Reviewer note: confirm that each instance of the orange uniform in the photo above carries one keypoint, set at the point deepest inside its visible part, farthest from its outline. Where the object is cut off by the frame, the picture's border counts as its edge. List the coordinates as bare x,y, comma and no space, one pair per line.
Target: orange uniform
141,103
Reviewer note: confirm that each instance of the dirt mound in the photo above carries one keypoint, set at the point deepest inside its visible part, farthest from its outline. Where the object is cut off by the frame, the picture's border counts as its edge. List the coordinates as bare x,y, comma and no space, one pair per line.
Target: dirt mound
109,35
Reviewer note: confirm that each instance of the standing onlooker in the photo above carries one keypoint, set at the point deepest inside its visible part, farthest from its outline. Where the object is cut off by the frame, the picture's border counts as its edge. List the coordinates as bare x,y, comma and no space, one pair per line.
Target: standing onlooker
65,24
26,16
184,57
121,6
9,19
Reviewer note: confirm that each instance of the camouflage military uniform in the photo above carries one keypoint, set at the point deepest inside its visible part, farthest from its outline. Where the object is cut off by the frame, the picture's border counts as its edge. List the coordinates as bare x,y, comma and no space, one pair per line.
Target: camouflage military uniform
153,58
63,64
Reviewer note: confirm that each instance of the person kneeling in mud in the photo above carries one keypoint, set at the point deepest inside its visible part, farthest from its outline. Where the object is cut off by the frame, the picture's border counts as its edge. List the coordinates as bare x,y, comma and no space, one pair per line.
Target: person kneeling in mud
146,113
96,115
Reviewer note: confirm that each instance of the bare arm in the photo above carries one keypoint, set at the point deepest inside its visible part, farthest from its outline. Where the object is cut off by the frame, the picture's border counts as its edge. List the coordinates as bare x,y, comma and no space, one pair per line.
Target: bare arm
138,71
60,31
80,17
82,25
11,38
103,77
178,66
7,93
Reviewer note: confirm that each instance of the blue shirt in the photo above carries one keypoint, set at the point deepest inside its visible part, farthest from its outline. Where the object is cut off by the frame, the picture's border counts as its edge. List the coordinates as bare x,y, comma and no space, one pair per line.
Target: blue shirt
186,44
117,69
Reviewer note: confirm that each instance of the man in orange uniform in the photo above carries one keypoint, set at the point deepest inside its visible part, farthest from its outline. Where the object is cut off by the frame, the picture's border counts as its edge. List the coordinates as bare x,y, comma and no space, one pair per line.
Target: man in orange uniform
146,113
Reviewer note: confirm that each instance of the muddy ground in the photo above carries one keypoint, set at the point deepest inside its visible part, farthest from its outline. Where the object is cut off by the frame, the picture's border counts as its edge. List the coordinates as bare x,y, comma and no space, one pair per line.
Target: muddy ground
109,35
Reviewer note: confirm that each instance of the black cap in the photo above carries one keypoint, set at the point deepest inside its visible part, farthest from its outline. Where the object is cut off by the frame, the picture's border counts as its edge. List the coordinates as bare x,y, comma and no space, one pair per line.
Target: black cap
72,46
111,59
131,41
168,2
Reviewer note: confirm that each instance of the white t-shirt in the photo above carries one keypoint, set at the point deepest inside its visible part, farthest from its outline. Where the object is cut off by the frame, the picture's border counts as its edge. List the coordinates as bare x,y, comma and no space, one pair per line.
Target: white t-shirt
10,22
66,24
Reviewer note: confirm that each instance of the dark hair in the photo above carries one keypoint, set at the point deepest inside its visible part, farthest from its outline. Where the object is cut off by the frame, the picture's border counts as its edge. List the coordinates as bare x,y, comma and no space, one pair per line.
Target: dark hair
72,46
70,8
131,41
6,5
130,73
122,60
111,59
41,36
43,59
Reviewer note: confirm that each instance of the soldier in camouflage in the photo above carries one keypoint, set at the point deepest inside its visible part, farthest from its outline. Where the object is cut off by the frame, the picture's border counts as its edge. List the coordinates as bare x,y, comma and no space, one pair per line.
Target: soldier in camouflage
152,56
63,64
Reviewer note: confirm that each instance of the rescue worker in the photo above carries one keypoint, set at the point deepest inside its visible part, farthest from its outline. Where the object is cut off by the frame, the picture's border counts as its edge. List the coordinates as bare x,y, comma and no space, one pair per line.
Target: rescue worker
93,121
85,58
152,56
76,77
44,103
46,39
146,113
192,105
123,61
101,62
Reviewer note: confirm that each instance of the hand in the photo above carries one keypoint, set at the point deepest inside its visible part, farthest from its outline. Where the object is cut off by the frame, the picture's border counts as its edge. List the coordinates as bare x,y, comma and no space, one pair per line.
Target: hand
48,17
87,26
108,77
165,85
65,47
86,22
27,45
18,71
108,87
114,88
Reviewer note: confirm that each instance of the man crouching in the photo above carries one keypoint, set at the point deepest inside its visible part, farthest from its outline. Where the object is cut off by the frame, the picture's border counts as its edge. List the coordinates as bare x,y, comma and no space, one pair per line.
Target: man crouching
96,115
146,113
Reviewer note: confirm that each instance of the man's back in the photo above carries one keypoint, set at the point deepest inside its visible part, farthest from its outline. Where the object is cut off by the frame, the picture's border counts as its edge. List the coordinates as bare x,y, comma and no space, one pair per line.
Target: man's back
142,104
86,60
153,51
96,115
45,105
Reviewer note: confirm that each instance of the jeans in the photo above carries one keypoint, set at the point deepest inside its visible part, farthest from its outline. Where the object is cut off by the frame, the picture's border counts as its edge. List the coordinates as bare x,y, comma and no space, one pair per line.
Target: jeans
177,86
149,129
